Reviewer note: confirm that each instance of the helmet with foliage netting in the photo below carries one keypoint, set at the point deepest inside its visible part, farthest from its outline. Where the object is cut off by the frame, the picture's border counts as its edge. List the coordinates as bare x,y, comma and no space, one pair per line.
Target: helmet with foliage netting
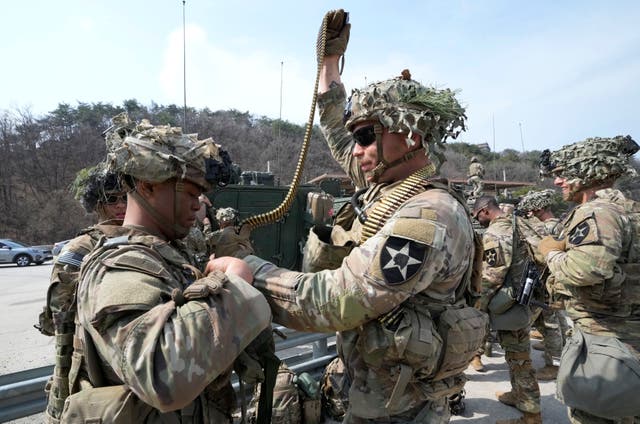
226,215
591,160
156,153
405,106
92,184
535,200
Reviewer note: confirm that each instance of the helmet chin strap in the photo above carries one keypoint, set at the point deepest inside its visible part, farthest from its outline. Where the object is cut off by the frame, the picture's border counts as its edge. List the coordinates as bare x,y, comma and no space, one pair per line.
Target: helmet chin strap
383,164
173,229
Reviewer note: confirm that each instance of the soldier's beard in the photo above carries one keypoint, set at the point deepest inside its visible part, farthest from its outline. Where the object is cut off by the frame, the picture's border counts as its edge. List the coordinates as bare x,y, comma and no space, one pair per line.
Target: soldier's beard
572,193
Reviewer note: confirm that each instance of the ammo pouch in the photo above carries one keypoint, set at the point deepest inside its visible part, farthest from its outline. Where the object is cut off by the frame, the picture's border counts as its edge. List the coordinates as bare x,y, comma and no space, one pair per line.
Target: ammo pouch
321,253
111,404
463,331
505,314
599,375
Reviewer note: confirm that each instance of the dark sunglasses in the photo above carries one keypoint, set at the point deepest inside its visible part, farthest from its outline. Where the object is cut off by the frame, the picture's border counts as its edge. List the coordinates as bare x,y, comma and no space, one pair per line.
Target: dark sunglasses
365,136
112,199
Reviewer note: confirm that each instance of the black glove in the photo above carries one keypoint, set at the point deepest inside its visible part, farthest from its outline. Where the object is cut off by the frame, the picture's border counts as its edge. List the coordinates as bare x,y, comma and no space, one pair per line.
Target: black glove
337,34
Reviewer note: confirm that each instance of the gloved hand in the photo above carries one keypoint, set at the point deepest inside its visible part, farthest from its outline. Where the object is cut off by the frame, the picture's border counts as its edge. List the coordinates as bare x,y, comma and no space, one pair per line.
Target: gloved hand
337,36
548,244
212,284
233,244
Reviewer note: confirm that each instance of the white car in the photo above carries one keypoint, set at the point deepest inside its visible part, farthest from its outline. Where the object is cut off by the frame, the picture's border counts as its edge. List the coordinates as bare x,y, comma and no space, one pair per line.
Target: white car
14,252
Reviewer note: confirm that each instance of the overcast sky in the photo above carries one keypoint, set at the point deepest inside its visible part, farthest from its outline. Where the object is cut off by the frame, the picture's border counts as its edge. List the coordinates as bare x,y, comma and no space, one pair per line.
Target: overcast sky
534,73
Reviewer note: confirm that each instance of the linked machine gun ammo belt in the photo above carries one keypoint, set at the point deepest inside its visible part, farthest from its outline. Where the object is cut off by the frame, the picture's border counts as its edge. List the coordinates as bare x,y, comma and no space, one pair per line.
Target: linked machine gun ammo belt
253,222
381,213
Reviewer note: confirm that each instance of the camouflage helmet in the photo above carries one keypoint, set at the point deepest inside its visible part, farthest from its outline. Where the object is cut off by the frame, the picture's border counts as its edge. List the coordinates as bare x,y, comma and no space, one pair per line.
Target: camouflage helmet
226,215
92,184
474,159
591,160
535,200
158,153
405,106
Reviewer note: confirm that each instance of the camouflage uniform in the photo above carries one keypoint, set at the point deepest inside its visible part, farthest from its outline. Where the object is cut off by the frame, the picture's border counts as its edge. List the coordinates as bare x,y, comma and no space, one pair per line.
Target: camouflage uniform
90,187
196,247
396,281
547,321
476,174
500,263
153,338
598,266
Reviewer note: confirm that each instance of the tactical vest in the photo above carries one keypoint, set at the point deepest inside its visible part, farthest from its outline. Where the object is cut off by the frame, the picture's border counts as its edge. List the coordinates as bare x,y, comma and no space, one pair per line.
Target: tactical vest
98,390
423,339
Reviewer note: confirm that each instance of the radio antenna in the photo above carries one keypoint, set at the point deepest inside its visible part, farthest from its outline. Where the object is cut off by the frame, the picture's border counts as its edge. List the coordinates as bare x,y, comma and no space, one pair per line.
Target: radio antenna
184,68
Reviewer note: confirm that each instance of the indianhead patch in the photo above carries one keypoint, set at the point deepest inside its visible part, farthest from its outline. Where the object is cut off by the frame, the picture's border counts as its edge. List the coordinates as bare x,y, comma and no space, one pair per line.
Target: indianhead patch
579,233
401,259
491,257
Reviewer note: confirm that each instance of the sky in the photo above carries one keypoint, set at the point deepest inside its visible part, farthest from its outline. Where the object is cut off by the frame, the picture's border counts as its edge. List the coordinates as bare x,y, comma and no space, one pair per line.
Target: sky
531,75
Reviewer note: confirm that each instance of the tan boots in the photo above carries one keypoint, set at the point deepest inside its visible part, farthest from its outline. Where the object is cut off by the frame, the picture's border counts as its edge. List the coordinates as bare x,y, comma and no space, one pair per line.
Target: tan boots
476,363
548,372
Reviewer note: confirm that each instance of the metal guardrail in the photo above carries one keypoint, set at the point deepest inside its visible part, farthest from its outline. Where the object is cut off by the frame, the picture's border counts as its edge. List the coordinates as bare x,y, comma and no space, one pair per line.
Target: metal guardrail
22,393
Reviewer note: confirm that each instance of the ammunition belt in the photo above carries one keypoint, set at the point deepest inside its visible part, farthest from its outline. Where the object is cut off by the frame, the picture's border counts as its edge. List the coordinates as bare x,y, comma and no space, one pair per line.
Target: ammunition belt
381,213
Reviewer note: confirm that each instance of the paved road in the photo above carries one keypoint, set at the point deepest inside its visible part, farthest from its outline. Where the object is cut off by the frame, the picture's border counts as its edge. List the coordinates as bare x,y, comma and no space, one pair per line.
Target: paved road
24,292
23,347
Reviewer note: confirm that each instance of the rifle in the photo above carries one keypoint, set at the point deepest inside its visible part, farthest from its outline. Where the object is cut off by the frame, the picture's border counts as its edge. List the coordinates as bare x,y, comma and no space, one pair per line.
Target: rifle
530,280
529,283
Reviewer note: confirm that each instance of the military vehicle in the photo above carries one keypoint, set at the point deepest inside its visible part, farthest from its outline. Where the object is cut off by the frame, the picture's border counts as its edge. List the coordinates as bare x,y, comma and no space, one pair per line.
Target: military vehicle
280,242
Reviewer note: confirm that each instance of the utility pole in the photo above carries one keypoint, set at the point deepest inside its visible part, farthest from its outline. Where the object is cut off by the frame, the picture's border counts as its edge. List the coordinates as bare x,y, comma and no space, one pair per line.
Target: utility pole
184,68
279,140
521,138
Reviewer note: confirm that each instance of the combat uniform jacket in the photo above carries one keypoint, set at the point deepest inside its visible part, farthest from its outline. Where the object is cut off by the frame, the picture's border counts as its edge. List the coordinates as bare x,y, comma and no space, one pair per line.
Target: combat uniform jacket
171,357
600,268
476,170
501,265
194,245
58,316
386,297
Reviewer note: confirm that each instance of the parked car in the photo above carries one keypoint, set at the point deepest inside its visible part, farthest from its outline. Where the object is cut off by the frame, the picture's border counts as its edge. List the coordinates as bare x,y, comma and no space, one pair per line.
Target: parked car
46,251
57,247
13,252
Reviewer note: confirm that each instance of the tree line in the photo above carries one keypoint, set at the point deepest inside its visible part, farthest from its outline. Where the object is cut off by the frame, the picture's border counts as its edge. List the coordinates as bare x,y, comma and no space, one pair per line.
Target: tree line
40,156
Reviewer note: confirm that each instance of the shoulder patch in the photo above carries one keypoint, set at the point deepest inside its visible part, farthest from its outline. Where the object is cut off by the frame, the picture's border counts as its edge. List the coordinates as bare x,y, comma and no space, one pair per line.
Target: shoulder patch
424,231
70,258
401,259
584,232
493,254
137,261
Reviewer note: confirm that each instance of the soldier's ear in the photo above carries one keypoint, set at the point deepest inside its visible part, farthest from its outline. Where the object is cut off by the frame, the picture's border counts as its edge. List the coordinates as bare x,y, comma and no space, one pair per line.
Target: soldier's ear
144,188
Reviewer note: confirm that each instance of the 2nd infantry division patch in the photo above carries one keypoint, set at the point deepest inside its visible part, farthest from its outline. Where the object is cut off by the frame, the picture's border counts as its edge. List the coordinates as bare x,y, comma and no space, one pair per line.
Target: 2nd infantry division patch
491,257
579,233
401,259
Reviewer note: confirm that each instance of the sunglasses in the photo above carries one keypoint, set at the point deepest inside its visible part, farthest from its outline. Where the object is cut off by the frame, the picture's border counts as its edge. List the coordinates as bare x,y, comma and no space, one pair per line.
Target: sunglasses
365,136
112,199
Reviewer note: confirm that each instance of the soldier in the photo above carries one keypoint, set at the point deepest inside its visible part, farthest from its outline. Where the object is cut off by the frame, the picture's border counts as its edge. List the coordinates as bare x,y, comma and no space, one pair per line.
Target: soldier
155,340
536,205
197,243
226,241
596,259
394,295
99,192
505,255
475,174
